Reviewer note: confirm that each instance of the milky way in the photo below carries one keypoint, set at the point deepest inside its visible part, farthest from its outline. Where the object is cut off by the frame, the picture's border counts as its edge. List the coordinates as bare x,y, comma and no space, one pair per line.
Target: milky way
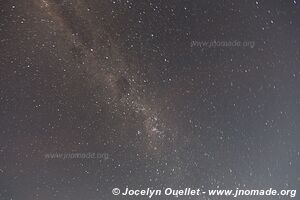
114,77
179,94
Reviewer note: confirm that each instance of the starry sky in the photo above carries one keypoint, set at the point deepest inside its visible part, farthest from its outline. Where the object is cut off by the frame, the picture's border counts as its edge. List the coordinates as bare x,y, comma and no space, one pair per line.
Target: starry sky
121,77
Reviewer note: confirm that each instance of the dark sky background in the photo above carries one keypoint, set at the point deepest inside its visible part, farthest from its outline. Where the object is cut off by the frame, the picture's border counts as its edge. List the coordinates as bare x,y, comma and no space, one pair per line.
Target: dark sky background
121,78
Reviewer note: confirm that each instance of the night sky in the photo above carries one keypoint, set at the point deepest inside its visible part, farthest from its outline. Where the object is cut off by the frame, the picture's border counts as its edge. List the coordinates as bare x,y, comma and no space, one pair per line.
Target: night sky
129,79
